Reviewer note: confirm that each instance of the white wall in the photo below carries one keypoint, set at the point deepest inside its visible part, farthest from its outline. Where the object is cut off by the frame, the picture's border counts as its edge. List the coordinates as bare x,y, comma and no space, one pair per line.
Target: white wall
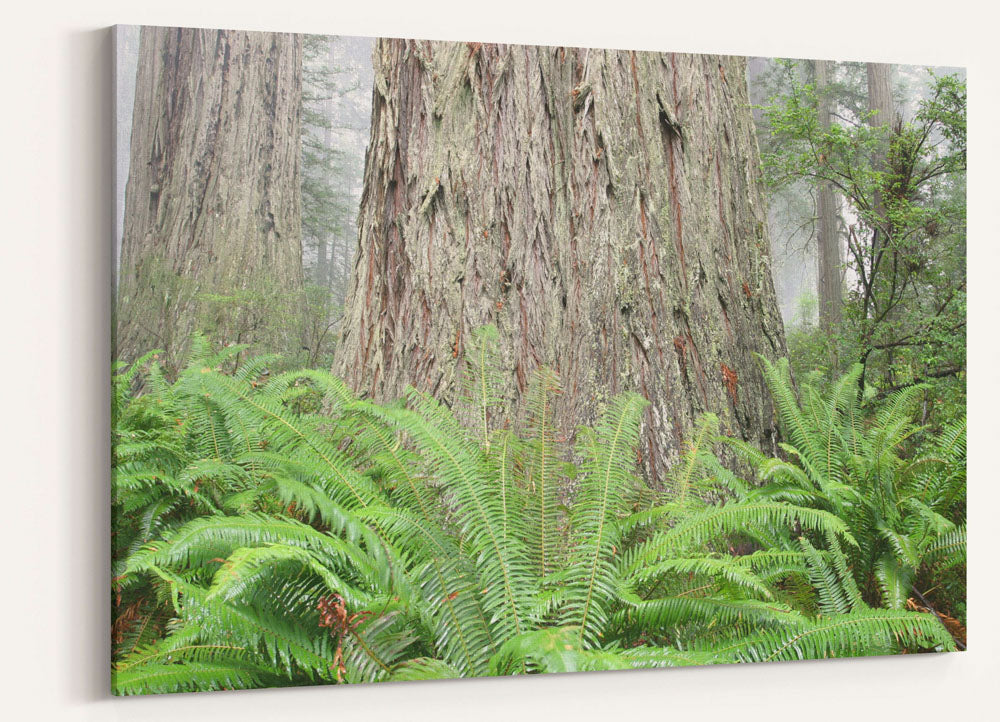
56,194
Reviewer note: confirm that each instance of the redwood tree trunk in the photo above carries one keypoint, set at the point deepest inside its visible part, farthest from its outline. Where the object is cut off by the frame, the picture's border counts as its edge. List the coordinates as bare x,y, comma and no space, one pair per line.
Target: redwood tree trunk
880,93
601,208
881,106
828,243
213,199
883,118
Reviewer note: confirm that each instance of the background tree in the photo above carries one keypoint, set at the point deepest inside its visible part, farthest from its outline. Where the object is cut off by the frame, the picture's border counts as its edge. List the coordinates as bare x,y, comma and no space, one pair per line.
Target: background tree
323,209
601,208
791,203
212,233
545,232
829,289
896,155
881,107
336,102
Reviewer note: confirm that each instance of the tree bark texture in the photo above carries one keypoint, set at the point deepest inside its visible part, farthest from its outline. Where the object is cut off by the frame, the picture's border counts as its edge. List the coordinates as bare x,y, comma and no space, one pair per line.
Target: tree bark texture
880,104
828,243
602,208
880,93
213,196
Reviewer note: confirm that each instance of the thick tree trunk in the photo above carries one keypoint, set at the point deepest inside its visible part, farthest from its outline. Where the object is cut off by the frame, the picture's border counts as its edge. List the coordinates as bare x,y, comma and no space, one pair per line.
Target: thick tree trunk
828,243
213,198
601,208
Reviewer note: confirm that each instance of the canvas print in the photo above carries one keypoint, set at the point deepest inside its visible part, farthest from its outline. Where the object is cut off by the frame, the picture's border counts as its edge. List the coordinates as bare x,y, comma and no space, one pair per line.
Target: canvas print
458,359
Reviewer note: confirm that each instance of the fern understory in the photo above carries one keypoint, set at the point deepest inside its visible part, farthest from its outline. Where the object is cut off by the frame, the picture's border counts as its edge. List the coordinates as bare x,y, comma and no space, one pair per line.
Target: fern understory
275,530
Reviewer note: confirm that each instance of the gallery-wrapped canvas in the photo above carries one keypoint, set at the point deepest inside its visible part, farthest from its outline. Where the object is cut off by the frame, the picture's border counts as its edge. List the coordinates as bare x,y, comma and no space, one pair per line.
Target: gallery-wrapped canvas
457,359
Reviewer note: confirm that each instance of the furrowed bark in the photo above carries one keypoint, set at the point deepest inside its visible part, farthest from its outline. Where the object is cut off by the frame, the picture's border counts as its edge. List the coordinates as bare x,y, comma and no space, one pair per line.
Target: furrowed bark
213,200
602,208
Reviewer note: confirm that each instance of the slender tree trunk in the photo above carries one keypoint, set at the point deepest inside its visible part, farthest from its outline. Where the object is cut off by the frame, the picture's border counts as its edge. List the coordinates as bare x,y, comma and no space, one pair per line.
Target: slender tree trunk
332,235
326,248
213,197
881,105
828,243
601,208
883,117
321,277
880,93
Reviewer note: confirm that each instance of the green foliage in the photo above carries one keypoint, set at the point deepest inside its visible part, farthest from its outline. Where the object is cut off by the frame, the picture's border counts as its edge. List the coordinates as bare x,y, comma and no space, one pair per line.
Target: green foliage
255,313
900,503
276,530
903,231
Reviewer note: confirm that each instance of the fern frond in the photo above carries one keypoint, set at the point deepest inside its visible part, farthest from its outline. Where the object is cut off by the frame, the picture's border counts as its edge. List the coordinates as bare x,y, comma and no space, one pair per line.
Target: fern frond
502,560
204,540
423,668
830,596
190,677
554,649
894,580
863,631
731,518
664,613
949,548
797,429
607,468
727,569
480,381
542,472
